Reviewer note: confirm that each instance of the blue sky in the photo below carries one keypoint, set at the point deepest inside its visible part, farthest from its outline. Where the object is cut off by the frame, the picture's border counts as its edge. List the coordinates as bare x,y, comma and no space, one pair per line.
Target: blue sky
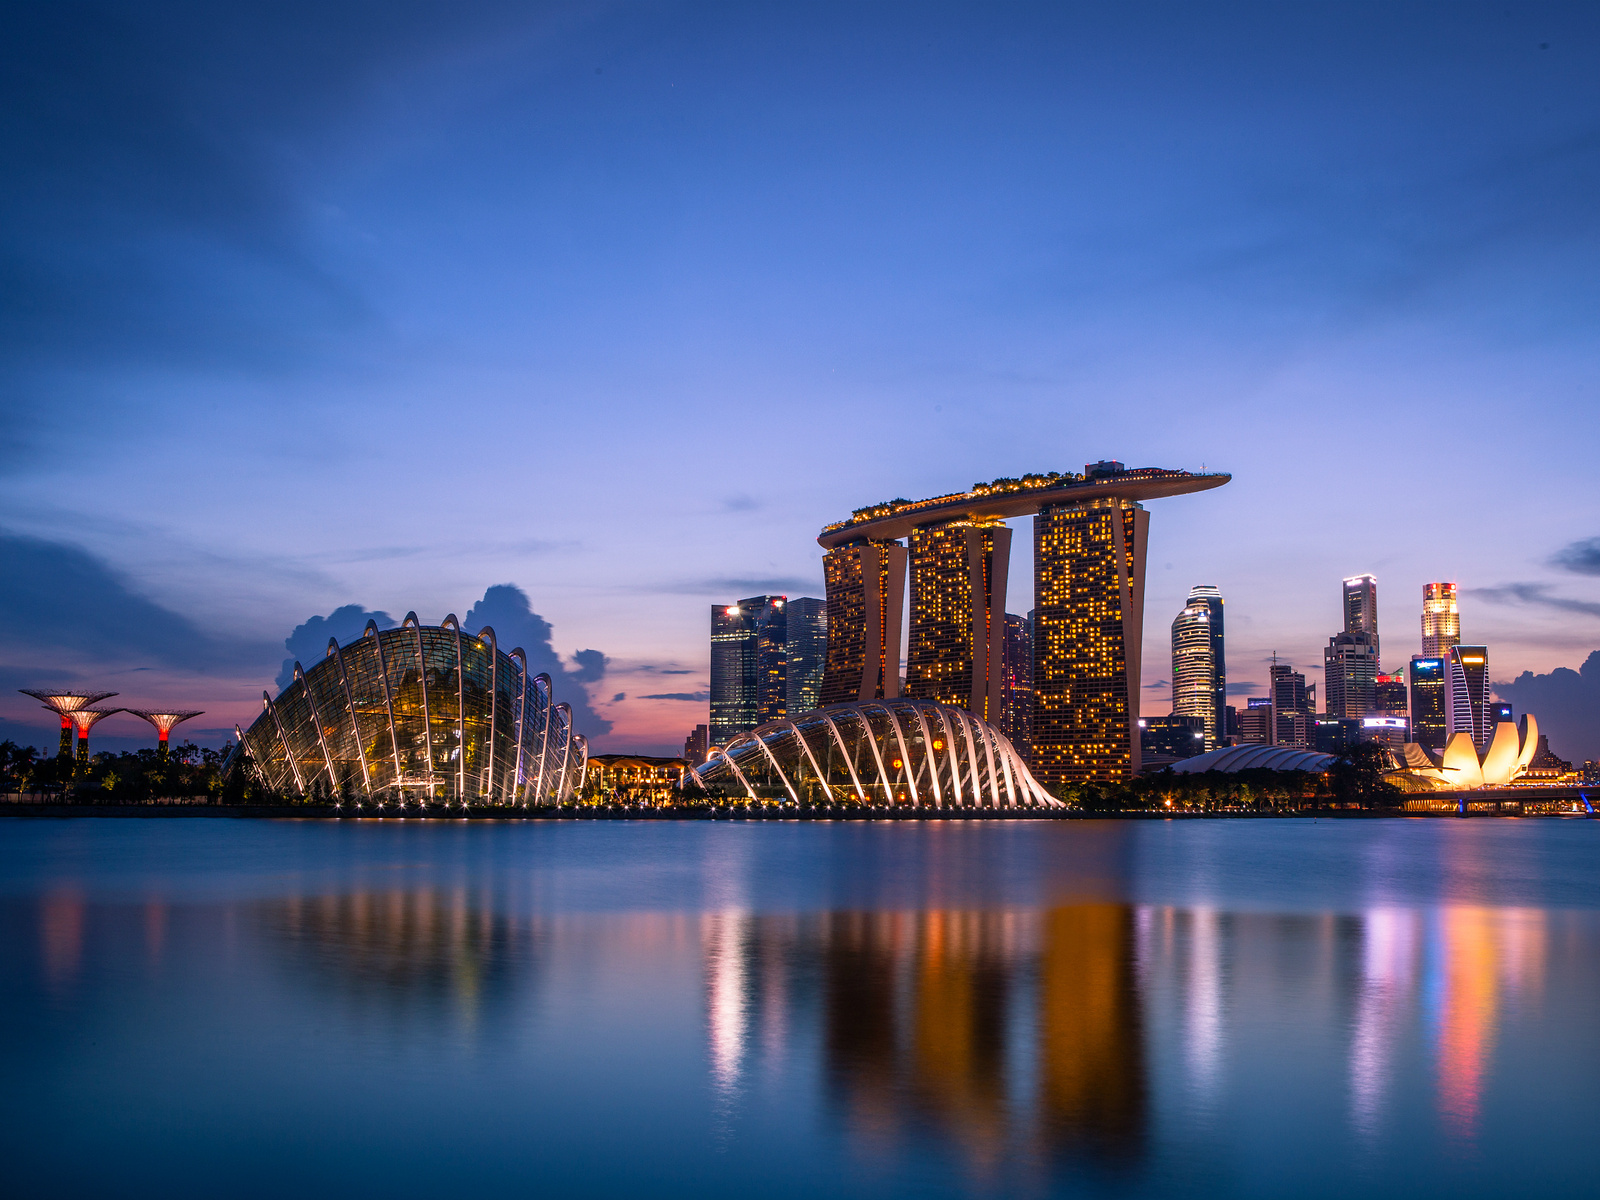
317,305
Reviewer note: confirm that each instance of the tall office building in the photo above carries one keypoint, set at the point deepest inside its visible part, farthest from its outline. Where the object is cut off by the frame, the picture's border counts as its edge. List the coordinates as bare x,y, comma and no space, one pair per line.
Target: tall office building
1089,573
1466,694
1016,718
1427,703
956,647
1441,620
1199,676
1361,608
749,665
1389,697
1192,670
697,744
1255,721
807,632
1350,673
1293,718
1211,596
866,595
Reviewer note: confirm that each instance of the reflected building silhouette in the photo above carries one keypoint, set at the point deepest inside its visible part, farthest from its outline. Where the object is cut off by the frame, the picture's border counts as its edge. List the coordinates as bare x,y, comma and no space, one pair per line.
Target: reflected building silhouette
1006,1034
401,951
1091,1061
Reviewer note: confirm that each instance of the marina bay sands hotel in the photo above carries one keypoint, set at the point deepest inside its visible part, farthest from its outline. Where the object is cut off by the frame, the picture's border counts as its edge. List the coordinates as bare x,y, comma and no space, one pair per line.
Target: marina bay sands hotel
1089,544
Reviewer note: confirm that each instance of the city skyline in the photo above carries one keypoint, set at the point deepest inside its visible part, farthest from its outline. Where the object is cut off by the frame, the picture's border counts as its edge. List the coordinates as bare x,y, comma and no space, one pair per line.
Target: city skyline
1034,239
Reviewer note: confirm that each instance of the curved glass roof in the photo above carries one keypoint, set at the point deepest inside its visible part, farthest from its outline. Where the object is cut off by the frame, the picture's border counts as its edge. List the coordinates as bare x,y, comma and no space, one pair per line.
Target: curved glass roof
422,712
1255,757
901,751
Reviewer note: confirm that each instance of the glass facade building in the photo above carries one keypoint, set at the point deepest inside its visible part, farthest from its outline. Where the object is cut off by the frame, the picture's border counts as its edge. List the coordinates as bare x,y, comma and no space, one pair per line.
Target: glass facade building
1350,675
866,583
1197,683
1016,720
425,713
893,752
749,665
807,649
1089,578
1361,609
1293,713
1466,694
1427,703
956,647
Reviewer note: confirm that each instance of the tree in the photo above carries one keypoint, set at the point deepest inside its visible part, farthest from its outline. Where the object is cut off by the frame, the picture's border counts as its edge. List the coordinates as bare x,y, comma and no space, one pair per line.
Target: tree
1358,777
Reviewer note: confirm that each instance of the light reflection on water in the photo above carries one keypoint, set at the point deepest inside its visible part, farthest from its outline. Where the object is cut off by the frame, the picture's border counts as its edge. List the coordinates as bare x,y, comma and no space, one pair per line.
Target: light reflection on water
871,1010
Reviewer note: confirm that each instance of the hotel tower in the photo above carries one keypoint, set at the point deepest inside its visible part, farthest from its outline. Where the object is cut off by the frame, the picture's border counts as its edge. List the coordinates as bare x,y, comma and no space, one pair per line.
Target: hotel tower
1090,533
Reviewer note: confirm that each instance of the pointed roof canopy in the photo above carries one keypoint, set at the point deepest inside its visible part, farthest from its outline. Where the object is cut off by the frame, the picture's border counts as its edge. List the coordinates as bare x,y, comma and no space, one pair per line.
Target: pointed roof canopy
62,703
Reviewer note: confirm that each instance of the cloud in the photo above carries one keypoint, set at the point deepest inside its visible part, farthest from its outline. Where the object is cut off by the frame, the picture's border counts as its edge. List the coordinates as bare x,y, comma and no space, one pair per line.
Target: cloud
309,642
1567,704
1159,684
1537,594
741,503
696,697
1244,687
505,607
591,666
1582,556
619,697
58,603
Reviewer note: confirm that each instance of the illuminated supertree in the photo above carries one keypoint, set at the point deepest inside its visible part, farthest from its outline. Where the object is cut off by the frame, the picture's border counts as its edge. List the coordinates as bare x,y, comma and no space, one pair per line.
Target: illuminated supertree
164,722
85,719
64,704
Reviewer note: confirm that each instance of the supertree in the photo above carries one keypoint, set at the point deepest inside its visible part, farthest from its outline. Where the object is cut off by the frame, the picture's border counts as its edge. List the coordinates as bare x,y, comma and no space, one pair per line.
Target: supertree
164,722
86,719
64,704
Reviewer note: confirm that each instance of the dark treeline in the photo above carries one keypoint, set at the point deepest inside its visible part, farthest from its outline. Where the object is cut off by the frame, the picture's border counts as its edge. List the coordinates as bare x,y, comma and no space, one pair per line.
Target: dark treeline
1355,781
189,771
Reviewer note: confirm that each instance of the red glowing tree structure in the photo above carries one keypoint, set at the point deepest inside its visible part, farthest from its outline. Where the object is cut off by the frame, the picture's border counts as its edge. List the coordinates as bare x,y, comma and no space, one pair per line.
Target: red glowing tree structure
86,719
64,704
164,722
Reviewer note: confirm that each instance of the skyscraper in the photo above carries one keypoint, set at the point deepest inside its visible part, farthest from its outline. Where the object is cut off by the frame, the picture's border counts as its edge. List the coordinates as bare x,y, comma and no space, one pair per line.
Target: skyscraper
1389,697
1361,609
1212,597
1089,560
1089,572
1427,703
1350,665
1293,722
1016,718
1466,694
866,594
1441,620
956,647
1199,685
749,665
807,624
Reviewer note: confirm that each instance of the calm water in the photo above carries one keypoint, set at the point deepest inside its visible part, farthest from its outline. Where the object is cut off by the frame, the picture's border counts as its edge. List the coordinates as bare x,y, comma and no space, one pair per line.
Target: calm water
1250,1008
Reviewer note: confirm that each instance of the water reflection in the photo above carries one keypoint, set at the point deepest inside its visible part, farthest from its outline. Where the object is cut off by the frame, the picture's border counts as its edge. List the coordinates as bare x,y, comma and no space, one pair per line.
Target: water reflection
401,952
997,1033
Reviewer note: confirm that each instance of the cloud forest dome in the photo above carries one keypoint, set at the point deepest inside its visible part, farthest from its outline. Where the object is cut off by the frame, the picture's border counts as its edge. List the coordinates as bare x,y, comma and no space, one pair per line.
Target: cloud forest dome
900,751
420,713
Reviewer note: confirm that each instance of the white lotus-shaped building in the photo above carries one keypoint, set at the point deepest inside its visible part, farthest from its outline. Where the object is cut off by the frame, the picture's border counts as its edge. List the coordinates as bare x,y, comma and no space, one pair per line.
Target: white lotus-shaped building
1509,753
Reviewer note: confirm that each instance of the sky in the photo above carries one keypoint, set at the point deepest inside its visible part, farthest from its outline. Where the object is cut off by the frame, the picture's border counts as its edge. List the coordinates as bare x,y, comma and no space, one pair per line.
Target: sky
591,316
